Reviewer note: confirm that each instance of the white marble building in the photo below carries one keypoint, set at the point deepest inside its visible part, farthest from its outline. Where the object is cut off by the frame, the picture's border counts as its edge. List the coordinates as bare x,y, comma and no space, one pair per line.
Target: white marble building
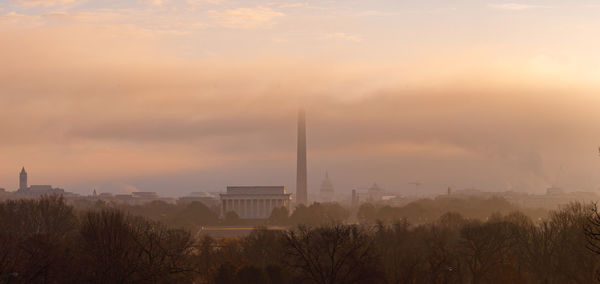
254,202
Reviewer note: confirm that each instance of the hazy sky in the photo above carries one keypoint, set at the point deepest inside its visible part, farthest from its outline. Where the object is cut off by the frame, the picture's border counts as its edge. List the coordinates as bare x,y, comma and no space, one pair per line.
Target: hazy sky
179,96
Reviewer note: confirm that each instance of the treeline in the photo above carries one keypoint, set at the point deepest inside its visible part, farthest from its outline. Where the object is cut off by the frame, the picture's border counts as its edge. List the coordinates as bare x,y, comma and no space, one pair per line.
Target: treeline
190,216
47,241
429,210
194,215
504,249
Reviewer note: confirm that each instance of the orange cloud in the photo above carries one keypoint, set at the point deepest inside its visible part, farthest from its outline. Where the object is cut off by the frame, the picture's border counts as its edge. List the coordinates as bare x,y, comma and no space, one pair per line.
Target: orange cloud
90,98
246,18
45,3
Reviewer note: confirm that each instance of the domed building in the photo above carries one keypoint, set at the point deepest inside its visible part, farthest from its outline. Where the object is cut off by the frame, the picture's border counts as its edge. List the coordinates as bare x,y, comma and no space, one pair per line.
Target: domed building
326,194
375,193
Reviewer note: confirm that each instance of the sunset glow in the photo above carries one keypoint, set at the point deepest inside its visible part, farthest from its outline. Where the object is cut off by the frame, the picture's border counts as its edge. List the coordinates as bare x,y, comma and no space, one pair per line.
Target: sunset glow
175,96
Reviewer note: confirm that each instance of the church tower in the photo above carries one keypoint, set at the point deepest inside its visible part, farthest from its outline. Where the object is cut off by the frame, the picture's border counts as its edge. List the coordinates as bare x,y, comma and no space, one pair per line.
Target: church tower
23,179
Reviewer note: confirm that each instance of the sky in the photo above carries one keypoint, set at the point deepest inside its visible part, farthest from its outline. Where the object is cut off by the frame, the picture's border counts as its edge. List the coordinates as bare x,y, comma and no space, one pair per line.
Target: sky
177,96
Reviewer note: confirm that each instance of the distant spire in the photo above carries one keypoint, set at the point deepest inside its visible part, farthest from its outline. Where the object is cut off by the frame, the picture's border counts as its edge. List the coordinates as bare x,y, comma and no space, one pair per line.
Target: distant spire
94,194
23,179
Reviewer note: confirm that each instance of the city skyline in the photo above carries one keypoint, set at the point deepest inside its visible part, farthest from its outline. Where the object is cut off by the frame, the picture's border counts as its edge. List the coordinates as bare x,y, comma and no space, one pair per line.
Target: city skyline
299,141
183,96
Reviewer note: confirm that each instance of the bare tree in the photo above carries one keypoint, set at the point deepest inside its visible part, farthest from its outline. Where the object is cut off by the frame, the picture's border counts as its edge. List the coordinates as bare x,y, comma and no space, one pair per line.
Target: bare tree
334,254
485,248
117,248
592,232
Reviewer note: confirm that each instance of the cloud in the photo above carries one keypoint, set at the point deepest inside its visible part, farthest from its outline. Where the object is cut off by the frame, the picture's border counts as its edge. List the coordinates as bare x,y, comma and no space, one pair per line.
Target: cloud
45,3
96,17
15,20
293,5
155,2
108,105
343,36
301,5
516,6
246,18
200,2
140,120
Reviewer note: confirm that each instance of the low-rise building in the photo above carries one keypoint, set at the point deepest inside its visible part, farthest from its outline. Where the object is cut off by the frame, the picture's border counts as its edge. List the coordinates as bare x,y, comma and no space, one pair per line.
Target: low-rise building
135,198
210,199
255,202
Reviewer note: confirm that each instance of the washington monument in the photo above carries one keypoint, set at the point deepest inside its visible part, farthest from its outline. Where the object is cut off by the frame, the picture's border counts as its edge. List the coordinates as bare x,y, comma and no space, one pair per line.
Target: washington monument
301,194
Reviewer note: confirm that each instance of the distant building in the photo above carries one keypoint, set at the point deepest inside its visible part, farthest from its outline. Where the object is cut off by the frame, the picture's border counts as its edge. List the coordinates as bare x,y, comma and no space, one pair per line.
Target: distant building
39,190
104,196
145,194
254,202
210,199
375,193
123,199
554,190
35,190
326,193
135,198
354,201
23,179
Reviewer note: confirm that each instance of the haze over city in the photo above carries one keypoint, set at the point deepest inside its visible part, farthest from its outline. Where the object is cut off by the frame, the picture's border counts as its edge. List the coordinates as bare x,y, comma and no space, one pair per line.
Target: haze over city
182,96
288,142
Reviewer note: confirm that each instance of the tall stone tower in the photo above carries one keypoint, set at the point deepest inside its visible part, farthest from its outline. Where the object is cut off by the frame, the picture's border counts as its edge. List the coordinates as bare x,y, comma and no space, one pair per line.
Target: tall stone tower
23,179
301,179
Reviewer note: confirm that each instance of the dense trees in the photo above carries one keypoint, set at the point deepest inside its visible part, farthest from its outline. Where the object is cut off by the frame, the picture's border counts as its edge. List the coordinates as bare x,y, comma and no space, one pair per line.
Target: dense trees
33,239
122,249
332,254
47,241
318,214
43,241
190,216
194,215
429,210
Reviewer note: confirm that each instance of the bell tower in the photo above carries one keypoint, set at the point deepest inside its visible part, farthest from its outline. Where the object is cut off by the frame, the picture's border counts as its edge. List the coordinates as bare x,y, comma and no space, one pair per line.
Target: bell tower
23,179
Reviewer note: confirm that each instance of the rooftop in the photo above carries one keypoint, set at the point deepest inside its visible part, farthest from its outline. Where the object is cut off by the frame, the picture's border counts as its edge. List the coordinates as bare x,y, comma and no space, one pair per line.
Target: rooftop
256,190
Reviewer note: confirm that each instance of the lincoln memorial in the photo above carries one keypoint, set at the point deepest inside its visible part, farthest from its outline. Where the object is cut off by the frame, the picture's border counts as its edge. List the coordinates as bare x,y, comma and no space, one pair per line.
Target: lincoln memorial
254,202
